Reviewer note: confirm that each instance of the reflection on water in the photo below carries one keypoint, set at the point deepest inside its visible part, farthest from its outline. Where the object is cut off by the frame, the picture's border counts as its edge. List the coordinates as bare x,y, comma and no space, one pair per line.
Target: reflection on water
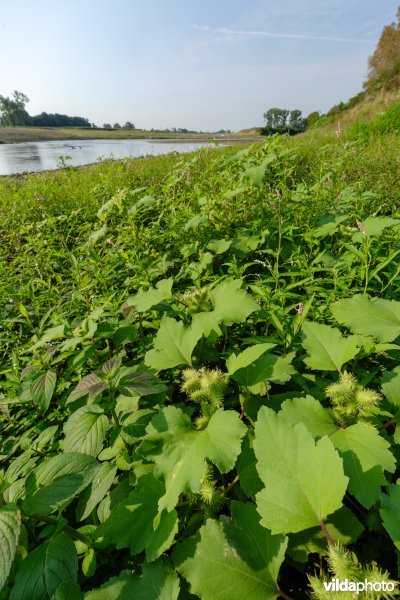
40,156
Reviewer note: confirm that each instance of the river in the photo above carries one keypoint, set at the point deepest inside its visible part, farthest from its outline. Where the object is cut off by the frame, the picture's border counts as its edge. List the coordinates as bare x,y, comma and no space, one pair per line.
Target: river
41,156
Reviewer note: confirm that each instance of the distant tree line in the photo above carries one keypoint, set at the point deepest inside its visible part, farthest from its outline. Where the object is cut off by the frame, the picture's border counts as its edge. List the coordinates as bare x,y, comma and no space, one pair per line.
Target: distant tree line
128,125
281,120
13,113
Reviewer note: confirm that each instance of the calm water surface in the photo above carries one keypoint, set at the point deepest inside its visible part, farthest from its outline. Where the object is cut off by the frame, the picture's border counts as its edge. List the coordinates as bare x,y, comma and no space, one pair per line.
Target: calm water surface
40,156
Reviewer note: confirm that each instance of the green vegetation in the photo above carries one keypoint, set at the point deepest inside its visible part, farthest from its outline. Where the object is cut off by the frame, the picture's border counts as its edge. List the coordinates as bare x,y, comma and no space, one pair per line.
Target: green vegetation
199,373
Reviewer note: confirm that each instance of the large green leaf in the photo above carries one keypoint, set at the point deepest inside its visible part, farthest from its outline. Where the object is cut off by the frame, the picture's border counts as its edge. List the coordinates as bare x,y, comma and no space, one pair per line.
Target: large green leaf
390,511
232,561
366,455
231,305
173,345
146,299
139,381
91,385
369,316
131,523
94,493
246,467
304,481
10,527
180,451
391,386
326,347
374,226
85,430
42,388
57,480
45,568
311,413
256,364
157,582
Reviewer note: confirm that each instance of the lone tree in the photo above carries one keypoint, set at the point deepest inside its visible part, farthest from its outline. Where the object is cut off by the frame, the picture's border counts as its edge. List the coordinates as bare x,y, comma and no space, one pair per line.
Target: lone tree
384,64
13,110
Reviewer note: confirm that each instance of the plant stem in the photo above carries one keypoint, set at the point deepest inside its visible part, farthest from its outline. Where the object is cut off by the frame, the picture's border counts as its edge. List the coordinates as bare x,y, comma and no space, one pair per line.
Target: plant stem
326,533
231,485
73,533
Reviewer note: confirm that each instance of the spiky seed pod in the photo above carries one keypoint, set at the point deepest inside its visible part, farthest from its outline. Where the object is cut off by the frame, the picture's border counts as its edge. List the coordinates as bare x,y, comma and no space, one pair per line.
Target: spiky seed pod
367,401
196,301
202,422
342,391
343,565
351,401
191,381
205,387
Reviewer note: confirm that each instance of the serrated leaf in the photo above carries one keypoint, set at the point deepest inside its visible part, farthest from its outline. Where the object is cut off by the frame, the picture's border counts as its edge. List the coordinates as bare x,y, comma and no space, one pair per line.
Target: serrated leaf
131,523
366,455
57,480
390,510
369,316
265,367
173,345
232,561
327,348
42,388
94,493
311,413
45,568
180,451
304,481
157,582
249,480
10,527
391,386
146,299
85,430
139,381
91,385
231,305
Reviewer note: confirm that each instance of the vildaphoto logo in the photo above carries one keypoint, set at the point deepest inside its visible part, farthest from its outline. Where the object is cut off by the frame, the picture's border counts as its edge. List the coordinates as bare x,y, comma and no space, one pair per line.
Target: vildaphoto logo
337,585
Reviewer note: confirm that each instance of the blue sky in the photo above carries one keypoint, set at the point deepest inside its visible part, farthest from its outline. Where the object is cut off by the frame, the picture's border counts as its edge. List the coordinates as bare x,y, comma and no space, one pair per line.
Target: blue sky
206,64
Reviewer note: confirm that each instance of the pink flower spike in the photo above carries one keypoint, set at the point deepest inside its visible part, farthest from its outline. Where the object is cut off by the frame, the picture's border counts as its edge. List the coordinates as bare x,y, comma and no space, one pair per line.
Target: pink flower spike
361,227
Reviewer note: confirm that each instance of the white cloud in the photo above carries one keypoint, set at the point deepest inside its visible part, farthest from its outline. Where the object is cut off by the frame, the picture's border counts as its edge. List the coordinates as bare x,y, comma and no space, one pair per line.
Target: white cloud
270,34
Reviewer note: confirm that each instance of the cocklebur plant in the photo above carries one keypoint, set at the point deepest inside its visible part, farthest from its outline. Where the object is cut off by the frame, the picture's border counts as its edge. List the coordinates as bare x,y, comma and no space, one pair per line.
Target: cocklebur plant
350,401
204,387
346,569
